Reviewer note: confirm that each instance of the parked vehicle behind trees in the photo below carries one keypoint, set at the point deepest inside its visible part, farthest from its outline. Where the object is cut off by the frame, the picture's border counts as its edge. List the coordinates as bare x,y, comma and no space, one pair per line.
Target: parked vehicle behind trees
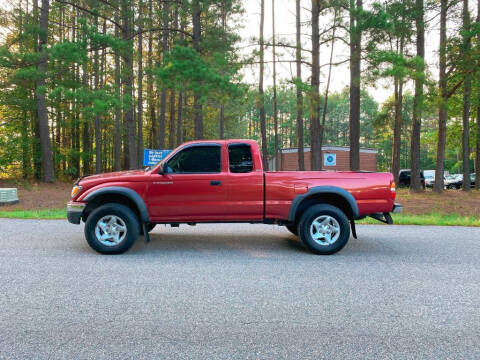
455,181
404,178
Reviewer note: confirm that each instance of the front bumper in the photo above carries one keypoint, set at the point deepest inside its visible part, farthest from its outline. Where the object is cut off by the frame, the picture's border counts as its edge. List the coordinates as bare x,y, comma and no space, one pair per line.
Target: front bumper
75,212
397,208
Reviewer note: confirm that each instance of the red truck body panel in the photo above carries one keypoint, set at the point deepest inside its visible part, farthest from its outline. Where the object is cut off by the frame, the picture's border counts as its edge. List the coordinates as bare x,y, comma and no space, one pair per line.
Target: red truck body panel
370,190
253,196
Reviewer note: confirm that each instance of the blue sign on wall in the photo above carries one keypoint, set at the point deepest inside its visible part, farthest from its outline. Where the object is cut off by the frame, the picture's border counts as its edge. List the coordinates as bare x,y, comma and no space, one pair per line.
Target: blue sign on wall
329,159
152,157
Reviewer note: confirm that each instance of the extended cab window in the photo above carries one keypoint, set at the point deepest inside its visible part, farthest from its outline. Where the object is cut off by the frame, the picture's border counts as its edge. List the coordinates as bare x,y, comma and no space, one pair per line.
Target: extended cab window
196,159
240,158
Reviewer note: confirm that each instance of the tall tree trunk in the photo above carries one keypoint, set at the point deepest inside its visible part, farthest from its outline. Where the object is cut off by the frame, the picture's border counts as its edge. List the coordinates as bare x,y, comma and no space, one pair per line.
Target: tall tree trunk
25,151
36,147
163,95
477,137
179,118
315,146
261,100
140,85
75,129
47,160
466,100
117,163
398,123
298,56
221,120
355,67
442,113
171,128
325,101
197,106
129,116
275,110
151,101
59,121
98,133
415,185
86,143
397,129
24,124
171,124
180,95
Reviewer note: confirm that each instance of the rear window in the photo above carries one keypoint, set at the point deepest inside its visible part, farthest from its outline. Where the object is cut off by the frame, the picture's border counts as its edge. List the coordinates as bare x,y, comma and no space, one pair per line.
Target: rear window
240,158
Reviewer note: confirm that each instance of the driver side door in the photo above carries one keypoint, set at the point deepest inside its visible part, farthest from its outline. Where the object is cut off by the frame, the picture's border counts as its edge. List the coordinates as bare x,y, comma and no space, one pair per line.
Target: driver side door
192,188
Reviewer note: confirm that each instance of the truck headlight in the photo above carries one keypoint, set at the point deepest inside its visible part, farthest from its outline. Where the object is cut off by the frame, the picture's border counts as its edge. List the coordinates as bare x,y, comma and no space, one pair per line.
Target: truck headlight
76,189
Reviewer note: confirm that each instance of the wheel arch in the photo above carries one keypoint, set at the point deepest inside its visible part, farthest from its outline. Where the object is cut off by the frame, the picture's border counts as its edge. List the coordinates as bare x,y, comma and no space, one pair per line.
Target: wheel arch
119,195
331,195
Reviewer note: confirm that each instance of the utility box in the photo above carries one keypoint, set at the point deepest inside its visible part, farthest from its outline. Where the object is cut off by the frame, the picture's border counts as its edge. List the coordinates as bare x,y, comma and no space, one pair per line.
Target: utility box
8,196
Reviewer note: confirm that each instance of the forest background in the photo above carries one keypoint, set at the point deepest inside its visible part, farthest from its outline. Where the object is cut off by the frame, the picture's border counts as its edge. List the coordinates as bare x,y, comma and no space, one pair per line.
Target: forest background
86,85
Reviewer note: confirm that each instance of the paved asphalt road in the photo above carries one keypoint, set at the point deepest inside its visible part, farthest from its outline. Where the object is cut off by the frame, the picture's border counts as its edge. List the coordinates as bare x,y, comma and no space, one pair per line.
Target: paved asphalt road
239,292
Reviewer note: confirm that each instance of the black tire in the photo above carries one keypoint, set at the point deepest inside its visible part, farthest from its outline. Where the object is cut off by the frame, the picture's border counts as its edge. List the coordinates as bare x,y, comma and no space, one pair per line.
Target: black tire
316,211
120,211
293,229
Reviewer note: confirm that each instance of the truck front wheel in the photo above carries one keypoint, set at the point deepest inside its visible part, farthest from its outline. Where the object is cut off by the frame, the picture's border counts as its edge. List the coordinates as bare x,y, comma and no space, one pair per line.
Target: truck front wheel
112,229
324,229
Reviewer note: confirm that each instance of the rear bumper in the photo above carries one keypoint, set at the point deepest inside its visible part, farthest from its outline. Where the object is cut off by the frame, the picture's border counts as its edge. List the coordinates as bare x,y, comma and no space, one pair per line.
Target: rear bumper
397,208
75,212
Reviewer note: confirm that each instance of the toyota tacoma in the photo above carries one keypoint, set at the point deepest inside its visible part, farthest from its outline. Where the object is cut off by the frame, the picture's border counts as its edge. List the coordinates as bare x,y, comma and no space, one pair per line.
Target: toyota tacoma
225,181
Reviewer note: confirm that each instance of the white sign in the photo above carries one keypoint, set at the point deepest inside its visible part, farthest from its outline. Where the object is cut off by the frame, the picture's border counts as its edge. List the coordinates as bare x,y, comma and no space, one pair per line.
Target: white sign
329,159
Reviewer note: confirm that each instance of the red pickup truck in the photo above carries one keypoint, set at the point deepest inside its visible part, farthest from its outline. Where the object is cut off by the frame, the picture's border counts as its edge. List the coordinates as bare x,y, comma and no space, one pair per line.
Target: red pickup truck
224,181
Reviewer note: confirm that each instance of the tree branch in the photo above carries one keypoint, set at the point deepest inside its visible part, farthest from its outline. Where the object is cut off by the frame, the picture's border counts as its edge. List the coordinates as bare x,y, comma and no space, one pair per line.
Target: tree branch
89,11
278,61
160,28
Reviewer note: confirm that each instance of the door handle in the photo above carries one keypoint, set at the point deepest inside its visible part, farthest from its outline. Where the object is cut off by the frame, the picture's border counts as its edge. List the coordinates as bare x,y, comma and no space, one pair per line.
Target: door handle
215,182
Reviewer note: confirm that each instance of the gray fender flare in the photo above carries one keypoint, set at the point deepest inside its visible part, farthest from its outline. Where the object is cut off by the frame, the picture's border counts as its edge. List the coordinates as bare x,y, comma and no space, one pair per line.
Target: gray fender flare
129,193
317,190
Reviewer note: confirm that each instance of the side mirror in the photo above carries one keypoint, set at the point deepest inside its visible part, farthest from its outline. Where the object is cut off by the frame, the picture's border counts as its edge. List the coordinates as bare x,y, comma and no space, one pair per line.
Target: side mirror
163,169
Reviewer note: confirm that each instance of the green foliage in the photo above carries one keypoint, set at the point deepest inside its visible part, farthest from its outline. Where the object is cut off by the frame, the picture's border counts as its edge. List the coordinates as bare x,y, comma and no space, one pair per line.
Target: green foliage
44,214
186,70
433,219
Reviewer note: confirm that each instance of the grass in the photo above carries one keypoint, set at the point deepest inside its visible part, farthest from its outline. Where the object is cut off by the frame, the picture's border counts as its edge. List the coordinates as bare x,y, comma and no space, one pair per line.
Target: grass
48,214
429,219
398,219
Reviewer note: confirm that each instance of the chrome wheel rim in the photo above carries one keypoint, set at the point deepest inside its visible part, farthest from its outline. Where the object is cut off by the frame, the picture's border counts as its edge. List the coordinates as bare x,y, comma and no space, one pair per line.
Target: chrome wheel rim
325,230
110,230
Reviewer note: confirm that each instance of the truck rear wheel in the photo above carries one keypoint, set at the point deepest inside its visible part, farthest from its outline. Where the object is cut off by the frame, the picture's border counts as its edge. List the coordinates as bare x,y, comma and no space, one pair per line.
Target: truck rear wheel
324,229
112,229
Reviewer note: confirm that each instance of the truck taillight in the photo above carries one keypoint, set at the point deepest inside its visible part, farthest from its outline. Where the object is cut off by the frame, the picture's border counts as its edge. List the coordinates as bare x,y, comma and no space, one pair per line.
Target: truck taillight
392,190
